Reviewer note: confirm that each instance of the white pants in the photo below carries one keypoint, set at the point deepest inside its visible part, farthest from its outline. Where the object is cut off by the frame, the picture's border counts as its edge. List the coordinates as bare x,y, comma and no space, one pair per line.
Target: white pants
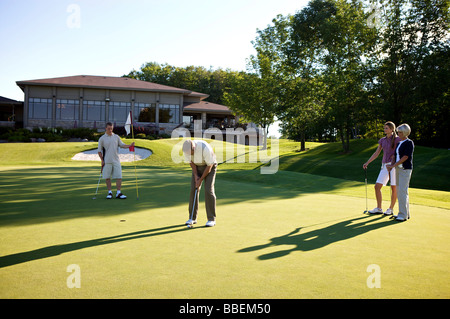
403,178
385,175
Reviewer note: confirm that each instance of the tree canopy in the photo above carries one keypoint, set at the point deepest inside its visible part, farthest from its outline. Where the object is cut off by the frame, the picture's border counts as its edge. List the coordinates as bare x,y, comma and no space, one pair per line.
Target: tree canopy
336,70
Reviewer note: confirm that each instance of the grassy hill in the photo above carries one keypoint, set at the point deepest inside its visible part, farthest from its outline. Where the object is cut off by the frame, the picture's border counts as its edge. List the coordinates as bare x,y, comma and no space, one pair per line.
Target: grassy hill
431,166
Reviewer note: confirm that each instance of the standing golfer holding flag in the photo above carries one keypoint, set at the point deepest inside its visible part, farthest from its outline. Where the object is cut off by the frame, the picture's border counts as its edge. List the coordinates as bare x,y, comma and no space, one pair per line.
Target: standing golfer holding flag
202,159
110,143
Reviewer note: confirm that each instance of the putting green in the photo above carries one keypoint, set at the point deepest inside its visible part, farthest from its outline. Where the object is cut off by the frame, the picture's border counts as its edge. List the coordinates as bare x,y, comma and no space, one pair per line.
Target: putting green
270,241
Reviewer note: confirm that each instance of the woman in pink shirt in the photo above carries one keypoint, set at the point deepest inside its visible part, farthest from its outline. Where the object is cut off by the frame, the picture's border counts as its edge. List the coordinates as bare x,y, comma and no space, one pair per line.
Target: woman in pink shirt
388,145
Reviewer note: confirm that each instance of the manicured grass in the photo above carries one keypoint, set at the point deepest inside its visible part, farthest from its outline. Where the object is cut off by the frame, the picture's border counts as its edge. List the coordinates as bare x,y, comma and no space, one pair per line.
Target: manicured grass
287,235
431,169
61,153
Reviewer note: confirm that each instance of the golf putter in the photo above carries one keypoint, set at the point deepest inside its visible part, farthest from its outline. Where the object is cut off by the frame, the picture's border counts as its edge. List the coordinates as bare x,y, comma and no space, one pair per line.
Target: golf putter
367,208
390,193
193,207
96,191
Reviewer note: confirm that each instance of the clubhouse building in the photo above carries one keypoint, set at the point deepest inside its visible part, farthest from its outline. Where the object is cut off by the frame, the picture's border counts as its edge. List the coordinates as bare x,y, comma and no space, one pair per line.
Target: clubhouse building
11,112
91,101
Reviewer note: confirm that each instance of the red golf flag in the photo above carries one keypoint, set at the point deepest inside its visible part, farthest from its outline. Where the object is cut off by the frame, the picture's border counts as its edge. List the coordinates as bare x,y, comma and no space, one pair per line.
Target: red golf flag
131,148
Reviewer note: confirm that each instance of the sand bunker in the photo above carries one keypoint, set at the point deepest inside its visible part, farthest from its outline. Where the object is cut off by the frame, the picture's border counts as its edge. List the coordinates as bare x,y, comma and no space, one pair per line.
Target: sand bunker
124,155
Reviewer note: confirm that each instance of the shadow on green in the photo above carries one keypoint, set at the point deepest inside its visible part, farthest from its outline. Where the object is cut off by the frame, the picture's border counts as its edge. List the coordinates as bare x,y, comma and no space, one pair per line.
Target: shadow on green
56,250
319,238
312,240
46,194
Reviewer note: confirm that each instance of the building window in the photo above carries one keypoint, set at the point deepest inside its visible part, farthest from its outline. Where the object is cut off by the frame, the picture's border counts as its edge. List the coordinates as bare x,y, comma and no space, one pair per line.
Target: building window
94,110
39,108
188,120
147,112
68,110
118,111
169,113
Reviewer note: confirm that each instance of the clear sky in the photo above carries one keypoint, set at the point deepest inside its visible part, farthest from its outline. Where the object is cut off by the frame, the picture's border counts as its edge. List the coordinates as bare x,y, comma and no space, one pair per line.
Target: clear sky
53,38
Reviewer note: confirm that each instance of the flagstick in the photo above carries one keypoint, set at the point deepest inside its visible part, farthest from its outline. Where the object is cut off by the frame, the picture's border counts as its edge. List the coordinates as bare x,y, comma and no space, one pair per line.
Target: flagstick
134,157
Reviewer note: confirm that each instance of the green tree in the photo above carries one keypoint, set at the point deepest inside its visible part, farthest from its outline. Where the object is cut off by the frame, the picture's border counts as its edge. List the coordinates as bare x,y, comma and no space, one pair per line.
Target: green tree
412,76
153,72
256,94
293,100
252,98
194,78
335,43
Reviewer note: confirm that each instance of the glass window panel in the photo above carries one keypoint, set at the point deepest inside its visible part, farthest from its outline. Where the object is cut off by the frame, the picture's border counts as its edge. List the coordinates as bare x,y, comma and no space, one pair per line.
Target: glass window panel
39,108
169,113
118,111
67,110
94,110
147,112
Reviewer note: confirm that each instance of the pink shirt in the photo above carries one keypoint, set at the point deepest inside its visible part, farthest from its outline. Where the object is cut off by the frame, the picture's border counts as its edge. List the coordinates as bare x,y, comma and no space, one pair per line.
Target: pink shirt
388,151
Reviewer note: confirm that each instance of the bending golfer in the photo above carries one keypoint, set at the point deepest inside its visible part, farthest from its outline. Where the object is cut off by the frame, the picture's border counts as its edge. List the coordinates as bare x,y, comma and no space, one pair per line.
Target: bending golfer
204,164
108,151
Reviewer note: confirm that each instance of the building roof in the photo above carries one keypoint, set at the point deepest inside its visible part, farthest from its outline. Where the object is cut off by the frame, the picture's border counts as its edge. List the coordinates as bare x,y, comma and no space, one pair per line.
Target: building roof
204,106
108,82
5,100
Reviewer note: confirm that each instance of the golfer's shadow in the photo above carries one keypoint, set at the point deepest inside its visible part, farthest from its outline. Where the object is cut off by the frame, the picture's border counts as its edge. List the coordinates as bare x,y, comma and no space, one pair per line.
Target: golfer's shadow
55,250
318,238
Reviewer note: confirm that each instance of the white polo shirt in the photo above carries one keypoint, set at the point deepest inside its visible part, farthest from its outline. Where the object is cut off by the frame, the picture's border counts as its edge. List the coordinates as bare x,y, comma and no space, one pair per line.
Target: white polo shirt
111,145
203,154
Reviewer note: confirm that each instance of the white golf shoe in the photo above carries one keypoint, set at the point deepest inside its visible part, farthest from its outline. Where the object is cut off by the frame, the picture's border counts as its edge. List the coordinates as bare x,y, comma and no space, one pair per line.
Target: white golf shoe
121,196
210,223
376,210
191,222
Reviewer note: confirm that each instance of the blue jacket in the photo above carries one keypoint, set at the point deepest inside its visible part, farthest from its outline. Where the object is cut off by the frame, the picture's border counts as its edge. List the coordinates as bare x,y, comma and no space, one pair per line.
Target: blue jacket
406,148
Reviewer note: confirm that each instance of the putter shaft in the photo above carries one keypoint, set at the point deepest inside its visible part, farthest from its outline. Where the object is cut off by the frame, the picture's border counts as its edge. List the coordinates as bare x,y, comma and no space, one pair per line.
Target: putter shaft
98,183
193,204
365,175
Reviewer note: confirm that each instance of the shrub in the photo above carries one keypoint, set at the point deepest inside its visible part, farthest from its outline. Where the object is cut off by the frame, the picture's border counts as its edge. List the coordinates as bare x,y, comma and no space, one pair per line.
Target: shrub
81,132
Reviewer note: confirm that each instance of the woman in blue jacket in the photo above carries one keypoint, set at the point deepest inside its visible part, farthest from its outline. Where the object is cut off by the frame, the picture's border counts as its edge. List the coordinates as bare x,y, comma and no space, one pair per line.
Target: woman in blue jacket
403,160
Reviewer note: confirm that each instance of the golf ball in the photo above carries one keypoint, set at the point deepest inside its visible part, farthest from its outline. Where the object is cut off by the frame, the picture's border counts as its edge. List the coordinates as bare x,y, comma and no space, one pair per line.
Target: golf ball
189,226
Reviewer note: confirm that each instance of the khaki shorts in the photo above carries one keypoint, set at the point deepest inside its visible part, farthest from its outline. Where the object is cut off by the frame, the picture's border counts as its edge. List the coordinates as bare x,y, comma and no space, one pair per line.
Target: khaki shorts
112,170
